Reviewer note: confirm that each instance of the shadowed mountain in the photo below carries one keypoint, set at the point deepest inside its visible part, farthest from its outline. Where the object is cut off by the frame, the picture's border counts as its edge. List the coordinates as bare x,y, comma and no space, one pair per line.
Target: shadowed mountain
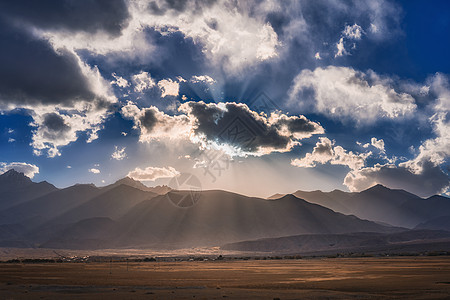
354,242
41,209
381,204
16,188
439,223
112,203
160,189
221,216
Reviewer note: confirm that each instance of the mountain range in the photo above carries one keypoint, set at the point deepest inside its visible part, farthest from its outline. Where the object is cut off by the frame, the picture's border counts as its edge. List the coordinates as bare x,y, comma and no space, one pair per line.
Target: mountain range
128,214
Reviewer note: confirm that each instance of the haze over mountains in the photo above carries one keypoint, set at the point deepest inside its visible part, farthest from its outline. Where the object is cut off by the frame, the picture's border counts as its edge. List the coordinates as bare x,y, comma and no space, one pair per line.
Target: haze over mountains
128,214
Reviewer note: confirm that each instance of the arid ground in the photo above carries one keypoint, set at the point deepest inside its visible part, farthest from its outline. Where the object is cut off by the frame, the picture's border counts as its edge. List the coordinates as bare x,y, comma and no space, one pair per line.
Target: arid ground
338,278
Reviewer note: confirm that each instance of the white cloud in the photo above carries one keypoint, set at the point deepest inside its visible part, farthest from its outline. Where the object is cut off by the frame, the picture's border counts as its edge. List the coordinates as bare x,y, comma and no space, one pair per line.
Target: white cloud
11,140
152,173
168,87
28,169
340,48
155,124
326,152
119,153
202,79
58,127
379,144
142,81
94,170
231,34
353,32
341,92
120,81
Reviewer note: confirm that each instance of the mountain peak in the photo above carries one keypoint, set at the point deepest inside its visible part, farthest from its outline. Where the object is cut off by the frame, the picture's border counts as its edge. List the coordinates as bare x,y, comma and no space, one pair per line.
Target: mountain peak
14,176
378,187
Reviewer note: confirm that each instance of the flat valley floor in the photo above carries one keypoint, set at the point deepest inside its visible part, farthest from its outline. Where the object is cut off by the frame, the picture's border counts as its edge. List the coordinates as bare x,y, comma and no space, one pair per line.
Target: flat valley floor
327,278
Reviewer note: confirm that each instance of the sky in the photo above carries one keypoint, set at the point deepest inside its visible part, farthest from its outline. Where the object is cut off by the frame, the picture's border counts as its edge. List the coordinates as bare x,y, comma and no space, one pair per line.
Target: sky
254,97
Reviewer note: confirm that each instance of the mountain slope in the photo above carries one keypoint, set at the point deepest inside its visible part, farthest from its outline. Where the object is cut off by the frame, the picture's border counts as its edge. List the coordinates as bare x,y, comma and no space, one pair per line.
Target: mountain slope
112,204
160,190
342,242
220,217
43,208
381,204
16,188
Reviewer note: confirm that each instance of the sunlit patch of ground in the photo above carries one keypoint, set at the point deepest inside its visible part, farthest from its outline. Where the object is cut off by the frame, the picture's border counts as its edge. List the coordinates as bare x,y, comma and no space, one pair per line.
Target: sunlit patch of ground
341,278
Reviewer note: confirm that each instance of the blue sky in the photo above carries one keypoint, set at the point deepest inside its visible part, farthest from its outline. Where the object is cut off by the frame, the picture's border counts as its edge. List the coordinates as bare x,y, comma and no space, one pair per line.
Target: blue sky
254,97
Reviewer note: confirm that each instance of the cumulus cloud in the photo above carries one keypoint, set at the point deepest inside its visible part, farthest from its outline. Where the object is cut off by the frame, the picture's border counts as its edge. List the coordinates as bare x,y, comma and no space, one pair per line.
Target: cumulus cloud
230,33
142,81
28,170
63,95
152,173
119,153
240,131
94,171
326,152
229,126
168,87
155,124
344,93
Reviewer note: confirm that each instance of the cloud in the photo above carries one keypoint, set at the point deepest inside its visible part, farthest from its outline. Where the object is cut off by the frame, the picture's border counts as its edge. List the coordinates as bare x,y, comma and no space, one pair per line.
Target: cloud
58,127
202,79
340,48
155,124
379,144
119,153
430,181
65,15
152,173
63,95
168,87
28,169
94,170
353,32
326,152
242,131
230,33
142,81
344,93
225,125
119,81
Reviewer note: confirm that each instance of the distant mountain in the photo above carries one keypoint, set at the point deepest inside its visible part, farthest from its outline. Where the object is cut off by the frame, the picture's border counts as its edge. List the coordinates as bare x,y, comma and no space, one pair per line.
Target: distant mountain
112,203
353,242
439,223
129,214
160,190
44,208
16,188
381,204
219,217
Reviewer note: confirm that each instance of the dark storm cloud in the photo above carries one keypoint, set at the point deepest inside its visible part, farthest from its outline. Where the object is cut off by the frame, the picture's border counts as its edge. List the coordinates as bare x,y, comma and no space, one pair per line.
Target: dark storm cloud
161,7
235,124
149,119
54,126
32,72
82,15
